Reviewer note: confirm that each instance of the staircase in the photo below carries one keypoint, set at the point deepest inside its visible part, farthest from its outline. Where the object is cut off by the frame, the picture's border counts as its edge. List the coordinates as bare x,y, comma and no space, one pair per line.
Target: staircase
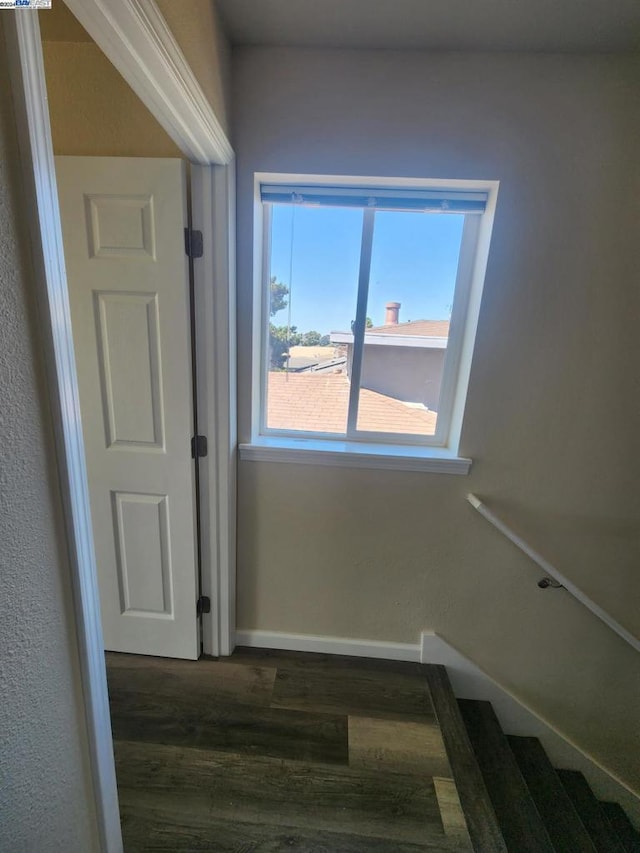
271,751
513,799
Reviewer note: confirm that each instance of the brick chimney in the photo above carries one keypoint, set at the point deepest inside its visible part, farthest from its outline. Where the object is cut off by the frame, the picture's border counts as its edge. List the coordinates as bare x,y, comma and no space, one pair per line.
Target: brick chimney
392,311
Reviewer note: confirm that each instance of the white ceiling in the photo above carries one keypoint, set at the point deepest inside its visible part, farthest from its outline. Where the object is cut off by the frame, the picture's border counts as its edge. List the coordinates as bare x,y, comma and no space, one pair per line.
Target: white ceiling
528,25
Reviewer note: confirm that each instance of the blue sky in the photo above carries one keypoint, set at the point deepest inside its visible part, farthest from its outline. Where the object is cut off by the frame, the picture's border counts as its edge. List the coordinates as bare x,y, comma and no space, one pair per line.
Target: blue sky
414,262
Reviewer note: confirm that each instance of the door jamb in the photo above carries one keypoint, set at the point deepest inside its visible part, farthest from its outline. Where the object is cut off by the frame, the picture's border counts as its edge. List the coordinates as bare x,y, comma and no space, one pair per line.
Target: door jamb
29,95
212,208
22,35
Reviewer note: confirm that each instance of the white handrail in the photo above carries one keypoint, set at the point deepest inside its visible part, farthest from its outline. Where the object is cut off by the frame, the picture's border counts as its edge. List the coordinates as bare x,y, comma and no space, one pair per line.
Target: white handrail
551,570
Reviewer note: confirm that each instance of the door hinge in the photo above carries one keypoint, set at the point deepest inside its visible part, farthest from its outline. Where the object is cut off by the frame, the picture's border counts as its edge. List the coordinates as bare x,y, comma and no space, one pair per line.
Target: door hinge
199,446
193,245
203,605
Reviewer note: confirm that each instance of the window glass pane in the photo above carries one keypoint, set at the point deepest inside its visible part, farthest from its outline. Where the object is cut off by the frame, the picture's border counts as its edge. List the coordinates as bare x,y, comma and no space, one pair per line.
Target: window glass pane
414,264
315,257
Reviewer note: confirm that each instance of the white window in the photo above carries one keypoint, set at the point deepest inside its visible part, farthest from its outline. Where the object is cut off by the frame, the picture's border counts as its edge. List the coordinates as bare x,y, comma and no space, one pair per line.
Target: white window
369,291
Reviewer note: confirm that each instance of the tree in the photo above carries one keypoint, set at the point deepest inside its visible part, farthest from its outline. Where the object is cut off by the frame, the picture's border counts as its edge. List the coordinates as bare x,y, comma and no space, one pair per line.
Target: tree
368,324
278,293
280,339
311,339
279,336
325,341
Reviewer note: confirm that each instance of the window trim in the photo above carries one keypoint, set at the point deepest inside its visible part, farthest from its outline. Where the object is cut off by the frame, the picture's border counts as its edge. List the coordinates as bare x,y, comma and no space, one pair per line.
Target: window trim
436,452
351,454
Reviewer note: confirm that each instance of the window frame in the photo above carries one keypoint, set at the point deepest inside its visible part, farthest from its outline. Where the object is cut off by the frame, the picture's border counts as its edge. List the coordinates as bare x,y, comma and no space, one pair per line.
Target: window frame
441,447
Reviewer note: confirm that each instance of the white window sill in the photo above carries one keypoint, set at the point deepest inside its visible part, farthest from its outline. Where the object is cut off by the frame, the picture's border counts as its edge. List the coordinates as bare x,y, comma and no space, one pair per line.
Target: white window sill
309,451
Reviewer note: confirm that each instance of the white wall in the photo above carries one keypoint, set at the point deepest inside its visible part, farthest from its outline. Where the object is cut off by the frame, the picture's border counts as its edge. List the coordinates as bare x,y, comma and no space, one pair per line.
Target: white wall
553,410
46,802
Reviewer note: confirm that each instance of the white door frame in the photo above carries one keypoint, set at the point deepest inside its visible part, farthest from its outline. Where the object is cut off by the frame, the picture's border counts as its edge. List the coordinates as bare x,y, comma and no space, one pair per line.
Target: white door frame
213,212
148,54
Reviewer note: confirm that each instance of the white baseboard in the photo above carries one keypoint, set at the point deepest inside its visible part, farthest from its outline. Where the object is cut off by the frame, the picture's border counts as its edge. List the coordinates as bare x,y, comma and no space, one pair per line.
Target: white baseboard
328,645
516,718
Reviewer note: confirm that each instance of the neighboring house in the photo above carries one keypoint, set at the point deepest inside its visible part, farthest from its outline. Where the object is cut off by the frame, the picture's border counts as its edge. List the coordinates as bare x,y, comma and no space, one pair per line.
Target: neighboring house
314,359
402,360
400,385
319,403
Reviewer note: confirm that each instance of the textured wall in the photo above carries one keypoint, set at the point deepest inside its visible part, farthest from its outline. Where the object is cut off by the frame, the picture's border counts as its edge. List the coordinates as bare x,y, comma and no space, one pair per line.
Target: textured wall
59,24
553,410
94,112
46,802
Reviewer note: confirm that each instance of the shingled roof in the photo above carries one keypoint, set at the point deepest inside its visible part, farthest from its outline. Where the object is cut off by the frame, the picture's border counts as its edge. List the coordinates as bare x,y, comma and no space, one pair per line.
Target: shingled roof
421,328
319,403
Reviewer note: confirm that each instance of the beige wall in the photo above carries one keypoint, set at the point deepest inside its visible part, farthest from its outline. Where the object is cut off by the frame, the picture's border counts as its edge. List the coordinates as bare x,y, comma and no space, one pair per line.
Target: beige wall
46,802
59,24
553,410
94,112
196,27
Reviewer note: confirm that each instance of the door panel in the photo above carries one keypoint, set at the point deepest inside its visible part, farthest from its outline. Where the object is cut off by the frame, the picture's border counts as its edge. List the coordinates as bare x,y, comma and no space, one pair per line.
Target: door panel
122,222
142,554
130,373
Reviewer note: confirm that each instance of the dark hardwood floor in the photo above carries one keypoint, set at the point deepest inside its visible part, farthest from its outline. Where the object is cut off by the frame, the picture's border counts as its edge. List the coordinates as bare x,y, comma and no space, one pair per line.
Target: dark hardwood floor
266,752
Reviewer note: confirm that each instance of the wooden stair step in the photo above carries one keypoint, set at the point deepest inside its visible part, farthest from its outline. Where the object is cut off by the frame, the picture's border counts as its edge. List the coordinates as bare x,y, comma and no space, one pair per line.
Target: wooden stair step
256,789
521,825
482,823
566,830
622,826
161,822
591,815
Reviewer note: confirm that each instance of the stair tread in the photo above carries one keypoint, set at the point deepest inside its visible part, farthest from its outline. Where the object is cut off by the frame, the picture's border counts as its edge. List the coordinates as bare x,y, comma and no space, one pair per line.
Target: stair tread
482,823
622,827
396,806
566,830
521,824
591,815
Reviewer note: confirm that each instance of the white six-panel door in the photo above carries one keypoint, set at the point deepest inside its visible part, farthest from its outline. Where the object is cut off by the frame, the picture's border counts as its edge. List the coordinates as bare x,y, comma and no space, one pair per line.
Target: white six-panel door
122,222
